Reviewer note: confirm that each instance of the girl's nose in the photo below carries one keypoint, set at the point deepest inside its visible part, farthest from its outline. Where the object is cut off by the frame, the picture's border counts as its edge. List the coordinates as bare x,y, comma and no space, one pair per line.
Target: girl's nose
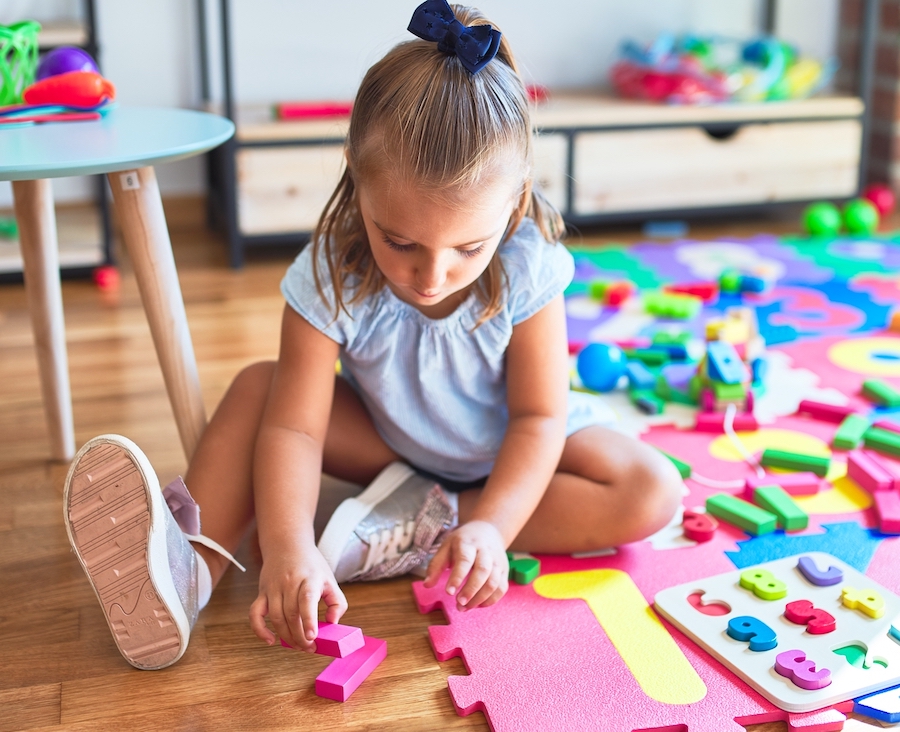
431,274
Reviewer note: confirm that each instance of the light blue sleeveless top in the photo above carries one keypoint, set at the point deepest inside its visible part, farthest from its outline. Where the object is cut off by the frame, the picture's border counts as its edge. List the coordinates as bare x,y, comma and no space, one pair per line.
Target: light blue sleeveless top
436,389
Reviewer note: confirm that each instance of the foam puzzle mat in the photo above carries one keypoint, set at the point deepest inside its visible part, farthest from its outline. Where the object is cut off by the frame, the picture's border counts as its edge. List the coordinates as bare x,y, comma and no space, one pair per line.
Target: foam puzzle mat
582,647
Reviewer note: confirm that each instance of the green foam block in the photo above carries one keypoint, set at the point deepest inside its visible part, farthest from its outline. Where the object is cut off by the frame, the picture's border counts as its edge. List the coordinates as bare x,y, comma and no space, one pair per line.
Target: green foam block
850,434
795,461
882,441
523,571
881,392
750,518
776,499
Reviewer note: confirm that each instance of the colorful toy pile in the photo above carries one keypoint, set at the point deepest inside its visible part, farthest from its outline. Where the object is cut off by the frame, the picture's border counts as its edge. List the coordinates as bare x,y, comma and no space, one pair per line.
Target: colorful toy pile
727,370
702,70
66,86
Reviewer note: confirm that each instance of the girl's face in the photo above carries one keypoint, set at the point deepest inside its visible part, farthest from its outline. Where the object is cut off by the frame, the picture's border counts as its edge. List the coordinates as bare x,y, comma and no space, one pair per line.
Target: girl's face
429,251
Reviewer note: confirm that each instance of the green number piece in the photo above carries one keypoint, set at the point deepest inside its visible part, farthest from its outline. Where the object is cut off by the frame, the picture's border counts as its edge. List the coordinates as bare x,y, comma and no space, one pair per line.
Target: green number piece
523,571
764,584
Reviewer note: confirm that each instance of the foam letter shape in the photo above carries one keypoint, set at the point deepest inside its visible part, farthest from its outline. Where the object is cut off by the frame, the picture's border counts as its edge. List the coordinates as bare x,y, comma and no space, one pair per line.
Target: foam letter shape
699,526
883,705
763,584
808,569
657,663
802,612
801,671
858,655
748,628
867,602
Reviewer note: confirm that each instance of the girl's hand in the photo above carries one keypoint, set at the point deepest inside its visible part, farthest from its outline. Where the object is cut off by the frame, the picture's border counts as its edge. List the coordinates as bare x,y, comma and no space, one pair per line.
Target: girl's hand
475,550
290,587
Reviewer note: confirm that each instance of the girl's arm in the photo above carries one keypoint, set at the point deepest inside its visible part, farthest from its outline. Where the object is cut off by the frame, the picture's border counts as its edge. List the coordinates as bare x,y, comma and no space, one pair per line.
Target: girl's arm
287,470
537,393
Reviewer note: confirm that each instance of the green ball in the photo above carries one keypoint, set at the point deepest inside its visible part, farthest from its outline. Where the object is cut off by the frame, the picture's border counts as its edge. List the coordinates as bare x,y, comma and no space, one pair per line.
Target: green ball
822,219
861,216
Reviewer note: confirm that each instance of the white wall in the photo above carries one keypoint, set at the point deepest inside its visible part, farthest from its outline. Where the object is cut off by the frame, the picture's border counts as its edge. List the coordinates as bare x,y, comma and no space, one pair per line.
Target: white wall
306,49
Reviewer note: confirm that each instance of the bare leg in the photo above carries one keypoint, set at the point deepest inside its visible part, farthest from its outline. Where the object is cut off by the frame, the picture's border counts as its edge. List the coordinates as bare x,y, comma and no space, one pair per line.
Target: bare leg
220,476
609,490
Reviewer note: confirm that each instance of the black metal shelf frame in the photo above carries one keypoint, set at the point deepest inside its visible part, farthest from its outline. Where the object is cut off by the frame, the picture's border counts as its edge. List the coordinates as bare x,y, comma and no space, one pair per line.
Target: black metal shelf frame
221,173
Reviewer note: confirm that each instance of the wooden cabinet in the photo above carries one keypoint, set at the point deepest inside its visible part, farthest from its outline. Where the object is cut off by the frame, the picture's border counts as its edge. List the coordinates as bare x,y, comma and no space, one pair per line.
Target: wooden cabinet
597,159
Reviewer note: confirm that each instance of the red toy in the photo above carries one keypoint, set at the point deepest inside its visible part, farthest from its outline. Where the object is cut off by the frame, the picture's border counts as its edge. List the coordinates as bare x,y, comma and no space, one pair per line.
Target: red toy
72,89
706,291
313,110
881,196
106,277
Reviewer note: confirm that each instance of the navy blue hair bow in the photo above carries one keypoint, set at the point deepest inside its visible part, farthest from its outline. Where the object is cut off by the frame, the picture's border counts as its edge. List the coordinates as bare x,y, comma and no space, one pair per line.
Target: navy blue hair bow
474,45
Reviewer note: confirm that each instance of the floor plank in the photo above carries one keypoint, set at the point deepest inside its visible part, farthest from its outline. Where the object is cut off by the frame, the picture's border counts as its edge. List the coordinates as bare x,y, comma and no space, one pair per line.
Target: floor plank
60,668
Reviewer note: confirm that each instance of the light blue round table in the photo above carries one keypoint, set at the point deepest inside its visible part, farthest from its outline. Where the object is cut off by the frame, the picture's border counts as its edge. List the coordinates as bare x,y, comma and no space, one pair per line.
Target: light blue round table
124,145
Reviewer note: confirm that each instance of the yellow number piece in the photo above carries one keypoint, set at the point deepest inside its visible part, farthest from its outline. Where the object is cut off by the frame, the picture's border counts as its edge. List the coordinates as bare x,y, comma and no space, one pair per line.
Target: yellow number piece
763,584
866,601
651,654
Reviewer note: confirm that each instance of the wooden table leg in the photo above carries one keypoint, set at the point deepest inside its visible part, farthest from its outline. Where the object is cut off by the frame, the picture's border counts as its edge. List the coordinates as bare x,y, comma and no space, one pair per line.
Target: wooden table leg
140,211
33,200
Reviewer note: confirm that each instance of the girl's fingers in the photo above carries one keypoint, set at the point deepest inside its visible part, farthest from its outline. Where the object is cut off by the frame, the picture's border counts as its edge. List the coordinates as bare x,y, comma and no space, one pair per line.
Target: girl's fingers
291,617
496,597
495,582
308,616
480,576
276,617
463,557
335,602
258,611
439,562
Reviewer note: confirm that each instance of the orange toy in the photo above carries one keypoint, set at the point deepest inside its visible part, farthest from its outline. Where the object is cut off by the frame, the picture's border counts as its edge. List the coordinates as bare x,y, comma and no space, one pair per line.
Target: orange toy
72,89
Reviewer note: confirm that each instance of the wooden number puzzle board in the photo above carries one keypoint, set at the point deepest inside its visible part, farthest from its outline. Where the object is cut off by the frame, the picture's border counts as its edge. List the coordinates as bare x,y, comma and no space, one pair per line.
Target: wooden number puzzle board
853,628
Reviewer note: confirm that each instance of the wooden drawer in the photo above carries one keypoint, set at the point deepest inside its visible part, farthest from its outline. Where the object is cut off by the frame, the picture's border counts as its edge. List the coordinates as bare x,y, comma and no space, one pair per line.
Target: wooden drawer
284,189
686,167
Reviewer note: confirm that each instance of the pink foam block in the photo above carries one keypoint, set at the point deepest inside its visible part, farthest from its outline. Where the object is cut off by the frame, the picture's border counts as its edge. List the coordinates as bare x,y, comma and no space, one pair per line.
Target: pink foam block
338,640
867,472
715,422
344,675
796,484
887,424
823,411
887,505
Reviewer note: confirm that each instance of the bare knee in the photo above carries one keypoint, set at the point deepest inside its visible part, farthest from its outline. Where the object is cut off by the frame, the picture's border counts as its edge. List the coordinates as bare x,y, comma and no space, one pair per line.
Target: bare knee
253,381
655,487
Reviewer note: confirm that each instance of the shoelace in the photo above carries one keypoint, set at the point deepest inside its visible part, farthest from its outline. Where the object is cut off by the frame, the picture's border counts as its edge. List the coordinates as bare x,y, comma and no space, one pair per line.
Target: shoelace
431,524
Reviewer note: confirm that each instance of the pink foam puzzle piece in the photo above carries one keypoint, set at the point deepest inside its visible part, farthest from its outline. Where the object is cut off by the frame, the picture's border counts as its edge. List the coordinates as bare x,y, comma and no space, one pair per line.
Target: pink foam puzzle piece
536,663
338,640
344,675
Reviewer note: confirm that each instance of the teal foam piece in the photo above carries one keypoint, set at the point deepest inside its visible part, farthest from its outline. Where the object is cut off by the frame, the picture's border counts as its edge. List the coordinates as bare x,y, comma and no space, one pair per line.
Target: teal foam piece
846,540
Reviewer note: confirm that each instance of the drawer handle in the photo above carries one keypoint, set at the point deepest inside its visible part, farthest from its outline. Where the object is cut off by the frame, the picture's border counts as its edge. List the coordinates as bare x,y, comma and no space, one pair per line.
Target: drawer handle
721,132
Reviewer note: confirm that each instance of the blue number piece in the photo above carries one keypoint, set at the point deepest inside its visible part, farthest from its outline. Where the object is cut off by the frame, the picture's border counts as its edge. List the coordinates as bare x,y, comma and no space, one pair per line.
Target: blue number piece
894,633
882,705
724,364
748,628
808,569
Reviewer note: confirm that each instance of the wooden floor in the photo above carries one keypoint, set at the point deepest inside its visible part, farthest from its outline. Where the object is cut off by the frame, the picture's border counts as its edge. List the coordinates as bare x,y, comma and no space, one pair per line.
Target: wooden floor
59,668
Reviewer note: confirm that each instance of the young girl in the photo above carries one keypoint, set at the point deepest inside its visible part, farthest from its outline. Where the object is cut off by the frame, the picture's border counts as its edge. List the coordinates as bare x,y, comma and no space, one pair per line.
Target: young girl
435,276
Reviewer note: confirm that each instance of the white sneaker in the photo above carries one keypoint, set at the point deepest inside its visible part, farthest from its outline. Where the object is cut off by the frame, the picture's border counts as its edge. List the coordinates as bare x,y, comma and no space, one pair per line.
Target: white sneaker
391,528
140,563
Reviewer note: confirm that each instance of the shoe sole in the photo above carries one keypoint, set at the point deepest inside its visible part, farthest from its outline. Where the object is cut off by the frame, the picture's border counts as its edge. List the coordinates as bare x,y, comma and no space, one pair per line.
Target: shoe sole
116,525
346,518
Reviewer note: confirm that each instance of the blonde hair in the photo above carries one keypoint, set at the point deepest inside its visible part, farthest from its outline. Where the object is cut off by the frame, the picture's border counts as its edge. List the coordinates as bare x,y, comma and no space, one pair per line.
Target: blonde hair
419,114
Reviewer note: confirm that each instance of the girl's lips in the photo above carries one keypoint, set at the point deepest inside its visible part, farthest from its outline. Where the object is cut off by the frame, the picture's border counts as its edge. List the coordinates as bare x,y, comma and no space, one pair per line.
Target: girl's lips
426,294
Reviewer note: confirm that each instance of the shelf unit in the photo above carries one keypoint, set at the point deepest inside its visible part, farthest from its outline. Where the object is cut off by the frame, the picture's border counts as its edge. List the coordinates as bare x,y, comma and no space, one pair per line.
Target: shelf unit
269,183
85,237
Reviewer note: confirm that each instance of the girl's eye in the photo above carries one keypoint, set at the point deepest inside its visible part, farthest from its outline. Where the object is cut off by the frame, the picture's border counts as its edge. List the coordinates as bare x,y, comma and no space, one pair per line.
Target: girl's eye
472,252
398,247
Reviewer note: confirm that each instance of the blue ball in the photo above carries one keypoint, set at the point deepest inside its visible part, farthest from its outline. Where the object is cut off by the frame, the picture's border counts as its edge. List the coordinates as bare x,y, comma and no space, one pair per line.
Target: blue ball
600,366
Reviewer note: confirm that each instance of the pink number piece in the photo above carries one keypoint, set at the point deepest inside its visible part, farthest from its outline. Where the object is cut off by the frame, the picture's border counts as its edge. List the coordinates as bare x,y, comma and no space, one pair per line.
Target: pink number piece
802,612
801,671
